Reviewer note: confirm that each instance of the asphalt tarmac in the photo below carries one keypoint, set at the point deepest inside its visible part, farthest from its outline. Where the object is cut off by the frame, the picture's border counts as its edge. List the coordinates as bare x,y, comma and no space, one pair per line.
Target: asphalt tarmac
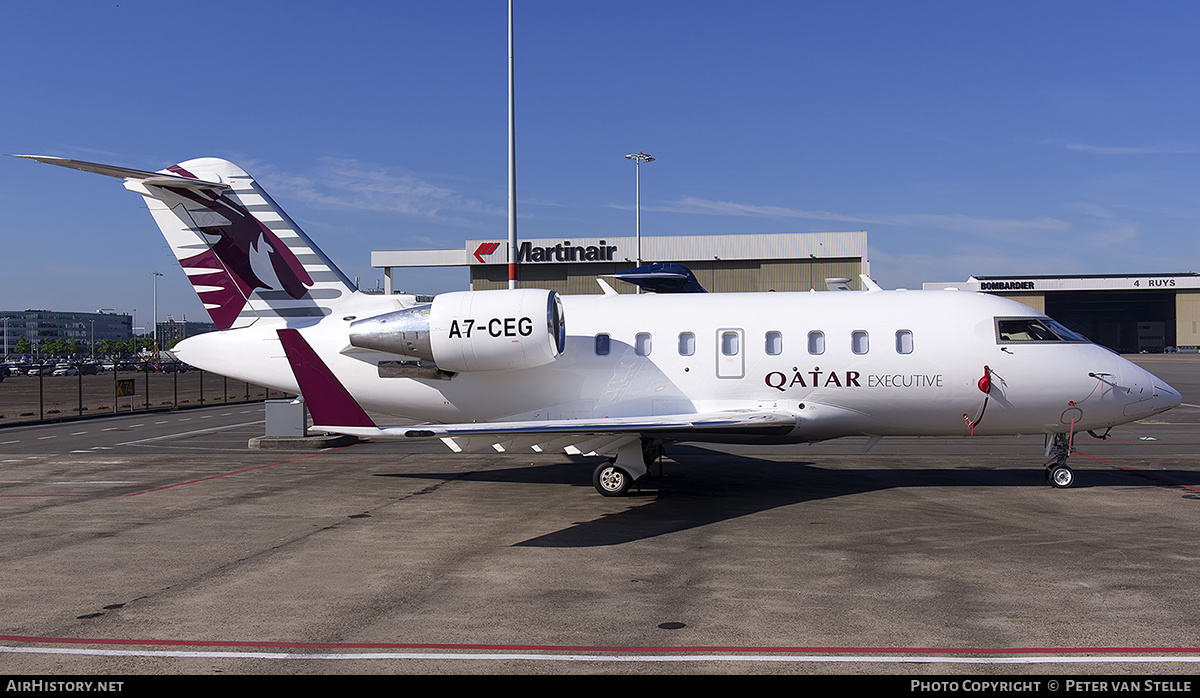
158,543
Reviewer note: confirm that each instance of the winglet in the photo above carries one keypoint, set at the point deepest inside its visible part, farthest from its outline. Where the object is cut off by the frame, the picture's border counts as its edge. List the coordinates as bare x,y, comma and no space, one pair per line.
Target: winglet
329,403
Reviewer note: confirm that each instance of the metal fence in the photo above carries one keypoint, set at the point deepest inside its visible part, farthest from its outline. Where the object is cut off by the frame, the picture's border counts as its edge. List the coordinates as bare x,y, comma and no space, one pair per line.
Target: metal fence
31,399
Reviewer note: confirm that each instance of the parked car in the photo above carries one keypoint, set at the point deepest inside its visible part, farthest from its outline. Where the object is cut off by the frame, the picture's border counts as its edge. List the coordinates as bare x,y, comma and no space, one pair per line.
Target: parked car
65,370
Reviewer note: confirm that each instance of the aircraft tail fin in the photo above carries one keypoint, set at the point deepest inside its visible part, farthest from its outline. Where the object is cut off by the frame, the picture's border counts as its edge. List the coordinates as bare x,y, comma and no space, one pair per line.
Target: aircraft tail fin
244,257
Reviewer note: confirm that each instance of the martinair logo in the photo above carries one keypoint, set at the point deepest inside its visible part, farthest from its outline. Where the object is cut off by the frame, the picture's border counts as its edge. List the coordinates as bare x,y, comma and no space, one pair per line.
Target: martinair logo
562,252
485,249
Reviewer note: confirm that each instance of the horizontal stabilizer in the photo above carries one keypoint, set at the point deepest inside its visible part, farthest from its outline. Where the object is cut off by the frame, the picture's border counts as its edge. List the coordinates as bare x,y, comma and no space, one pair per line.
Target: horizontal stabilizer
158,179
662,278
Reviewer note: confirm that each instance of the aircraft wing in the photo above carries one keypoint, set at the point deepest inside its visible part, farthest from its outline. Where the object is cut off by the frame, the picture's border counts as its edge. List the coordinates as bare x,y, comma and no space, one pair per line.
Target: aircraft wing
584,435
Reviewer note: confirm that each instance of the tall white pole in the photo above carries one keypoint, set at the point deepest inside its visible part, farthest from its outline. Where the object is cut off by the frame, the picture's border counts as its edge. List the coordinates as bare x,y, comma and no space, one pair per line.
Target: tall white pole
512,160
154,311
638,158
638,204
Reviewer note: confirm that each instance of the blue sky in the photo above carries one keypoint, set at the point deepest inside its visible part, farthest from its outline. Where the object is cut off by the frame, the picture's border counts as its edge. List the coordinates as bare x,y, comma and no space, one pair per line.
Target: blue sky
965,138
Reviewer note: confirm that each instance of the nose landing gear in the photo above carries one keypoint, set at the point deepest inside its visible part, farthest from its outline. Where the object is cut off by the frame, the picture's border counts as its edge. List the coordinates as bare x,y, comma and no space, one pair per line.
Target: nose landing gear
1058,473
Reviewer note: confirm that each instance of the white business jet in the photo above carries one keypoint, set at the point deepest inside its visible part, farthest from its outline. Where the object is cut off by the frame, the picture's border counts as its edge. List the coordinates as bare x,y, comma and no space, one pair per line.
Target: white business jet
620,374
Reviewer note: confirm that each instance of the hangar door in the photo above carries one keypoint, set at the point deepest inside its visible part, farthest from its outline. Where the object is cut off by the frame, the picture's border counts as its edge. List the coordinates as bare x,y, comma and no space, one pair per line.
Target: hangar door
1126,321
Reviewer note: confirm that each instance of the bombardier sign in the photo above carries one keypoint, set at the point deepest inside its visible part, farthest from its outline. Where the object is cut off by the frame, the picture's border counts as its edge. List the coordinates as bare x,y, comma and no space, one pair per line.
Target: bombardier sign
542,251
1045,284
1129,282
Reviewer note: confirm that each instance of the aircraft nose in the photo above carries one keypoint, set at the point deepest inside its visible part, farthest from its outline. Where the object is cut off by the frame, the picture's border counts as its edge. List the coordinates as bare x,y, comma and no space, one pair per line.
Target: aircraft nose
1139,393
1162,396
1165,397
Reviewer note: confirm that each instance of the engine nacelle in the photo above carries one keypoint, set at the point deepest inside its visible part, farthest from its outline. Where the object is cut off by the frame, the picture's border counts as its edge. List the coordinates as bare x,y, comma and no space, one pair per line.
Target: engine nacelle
472,330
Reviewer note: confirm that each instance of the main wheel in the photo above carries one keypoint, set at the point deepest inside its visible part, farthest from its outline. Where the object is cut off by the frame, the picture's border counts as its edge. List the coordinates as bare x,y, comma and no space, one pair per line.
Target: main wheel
1060,476
611,480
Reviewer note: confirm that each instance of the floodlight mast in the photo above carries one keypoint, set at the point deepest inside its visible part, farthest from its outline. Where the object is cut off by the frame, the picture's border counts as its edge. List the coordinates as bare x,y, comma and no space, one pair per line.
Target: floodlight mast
638,158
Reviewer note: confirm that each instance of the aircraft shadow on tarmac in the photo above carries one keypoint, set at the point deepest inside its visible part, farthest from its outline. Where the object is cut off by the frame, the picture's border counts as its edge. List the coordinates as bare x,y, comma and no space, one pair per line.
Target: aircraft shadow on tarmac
700,486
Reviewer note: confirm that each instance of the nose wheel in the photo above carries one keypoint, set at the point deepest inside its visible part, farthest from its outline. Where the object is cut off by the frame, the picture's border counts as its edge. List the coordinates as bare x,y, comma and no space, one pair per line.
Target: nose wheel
1058,473
1060,476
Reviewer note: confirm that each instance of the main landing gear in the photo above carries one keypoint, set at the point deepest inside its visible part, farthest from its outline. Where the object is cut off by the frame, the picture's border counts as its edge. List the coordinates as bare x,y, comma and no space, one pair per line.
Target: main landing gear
1058,473
613,478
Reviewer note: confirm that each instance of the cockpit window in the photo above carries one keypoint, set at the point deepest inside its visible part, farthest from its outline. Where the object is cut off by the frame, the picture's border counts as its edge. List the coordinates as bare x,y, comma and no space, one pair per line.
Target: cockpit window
1040,330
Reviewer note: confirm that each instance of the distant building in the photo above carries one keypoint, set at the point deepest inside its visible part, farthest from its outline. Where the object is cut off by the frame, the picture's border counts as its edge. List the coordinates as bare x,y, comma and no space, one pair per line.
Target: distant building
721,263
175,330
38,326
1129,313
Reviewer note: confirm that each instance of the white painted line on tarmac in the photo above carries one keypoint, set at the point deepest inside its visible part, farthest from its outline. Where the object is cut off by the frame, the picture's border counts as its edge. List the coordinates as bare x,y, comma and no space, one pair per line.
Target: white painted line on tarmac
624,658
137,442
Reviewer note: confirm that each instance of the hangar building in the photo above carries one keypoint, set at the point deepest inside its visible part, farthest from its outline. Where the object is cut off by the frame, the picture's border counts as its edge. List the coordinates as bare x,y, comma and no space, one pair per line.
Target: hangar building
1126,312
1130,313
721,263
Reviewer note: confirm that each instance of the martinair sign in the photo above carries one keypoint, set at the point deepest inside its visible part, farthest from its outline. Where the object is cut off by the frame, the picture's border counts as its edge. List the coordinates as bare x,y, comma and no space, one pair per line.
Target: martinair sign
543,251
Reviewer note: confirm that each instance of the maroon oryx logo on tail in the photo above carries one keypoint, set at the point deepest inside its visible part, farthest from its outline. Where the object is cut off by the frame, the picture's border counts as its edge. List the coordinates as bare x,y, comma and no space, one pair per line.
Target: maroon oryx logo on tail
231,274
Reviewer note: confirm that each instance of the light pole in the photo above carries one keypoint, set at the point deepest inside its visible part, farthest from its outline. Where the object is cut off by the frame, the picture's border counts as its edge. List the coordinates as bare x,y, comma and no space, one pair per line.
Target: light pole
512,159
154,312
638,158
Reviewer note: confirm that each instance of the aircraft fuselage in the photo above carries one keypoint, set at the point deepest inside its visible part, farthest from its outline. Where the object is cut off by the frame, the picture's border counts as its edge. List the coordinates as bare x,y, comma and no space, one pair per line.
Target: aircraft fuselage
843,363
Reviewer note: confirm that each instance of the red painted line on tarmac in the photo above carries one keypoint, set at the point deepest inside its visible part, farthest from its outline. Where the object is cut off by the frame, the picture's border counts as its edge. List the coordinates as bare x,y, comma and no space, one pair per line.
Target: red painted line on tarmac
602,648
1145,473
236,472
1165,480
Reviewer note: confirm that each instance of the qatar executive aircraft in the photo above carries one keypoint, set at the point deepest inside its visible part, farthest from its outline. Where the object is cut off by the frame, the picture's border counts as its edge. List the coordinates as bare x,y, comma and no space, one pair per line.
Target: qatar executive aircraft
620,374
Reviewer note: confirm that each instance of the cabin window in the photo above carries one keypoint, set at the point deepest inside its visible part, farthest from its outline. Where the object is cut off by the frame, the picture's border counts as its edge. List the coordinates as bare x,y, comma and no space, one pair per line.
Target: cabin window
816,342
603,344
642,344
858,341
1029,330
729,344
904,341
687,344
774,343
